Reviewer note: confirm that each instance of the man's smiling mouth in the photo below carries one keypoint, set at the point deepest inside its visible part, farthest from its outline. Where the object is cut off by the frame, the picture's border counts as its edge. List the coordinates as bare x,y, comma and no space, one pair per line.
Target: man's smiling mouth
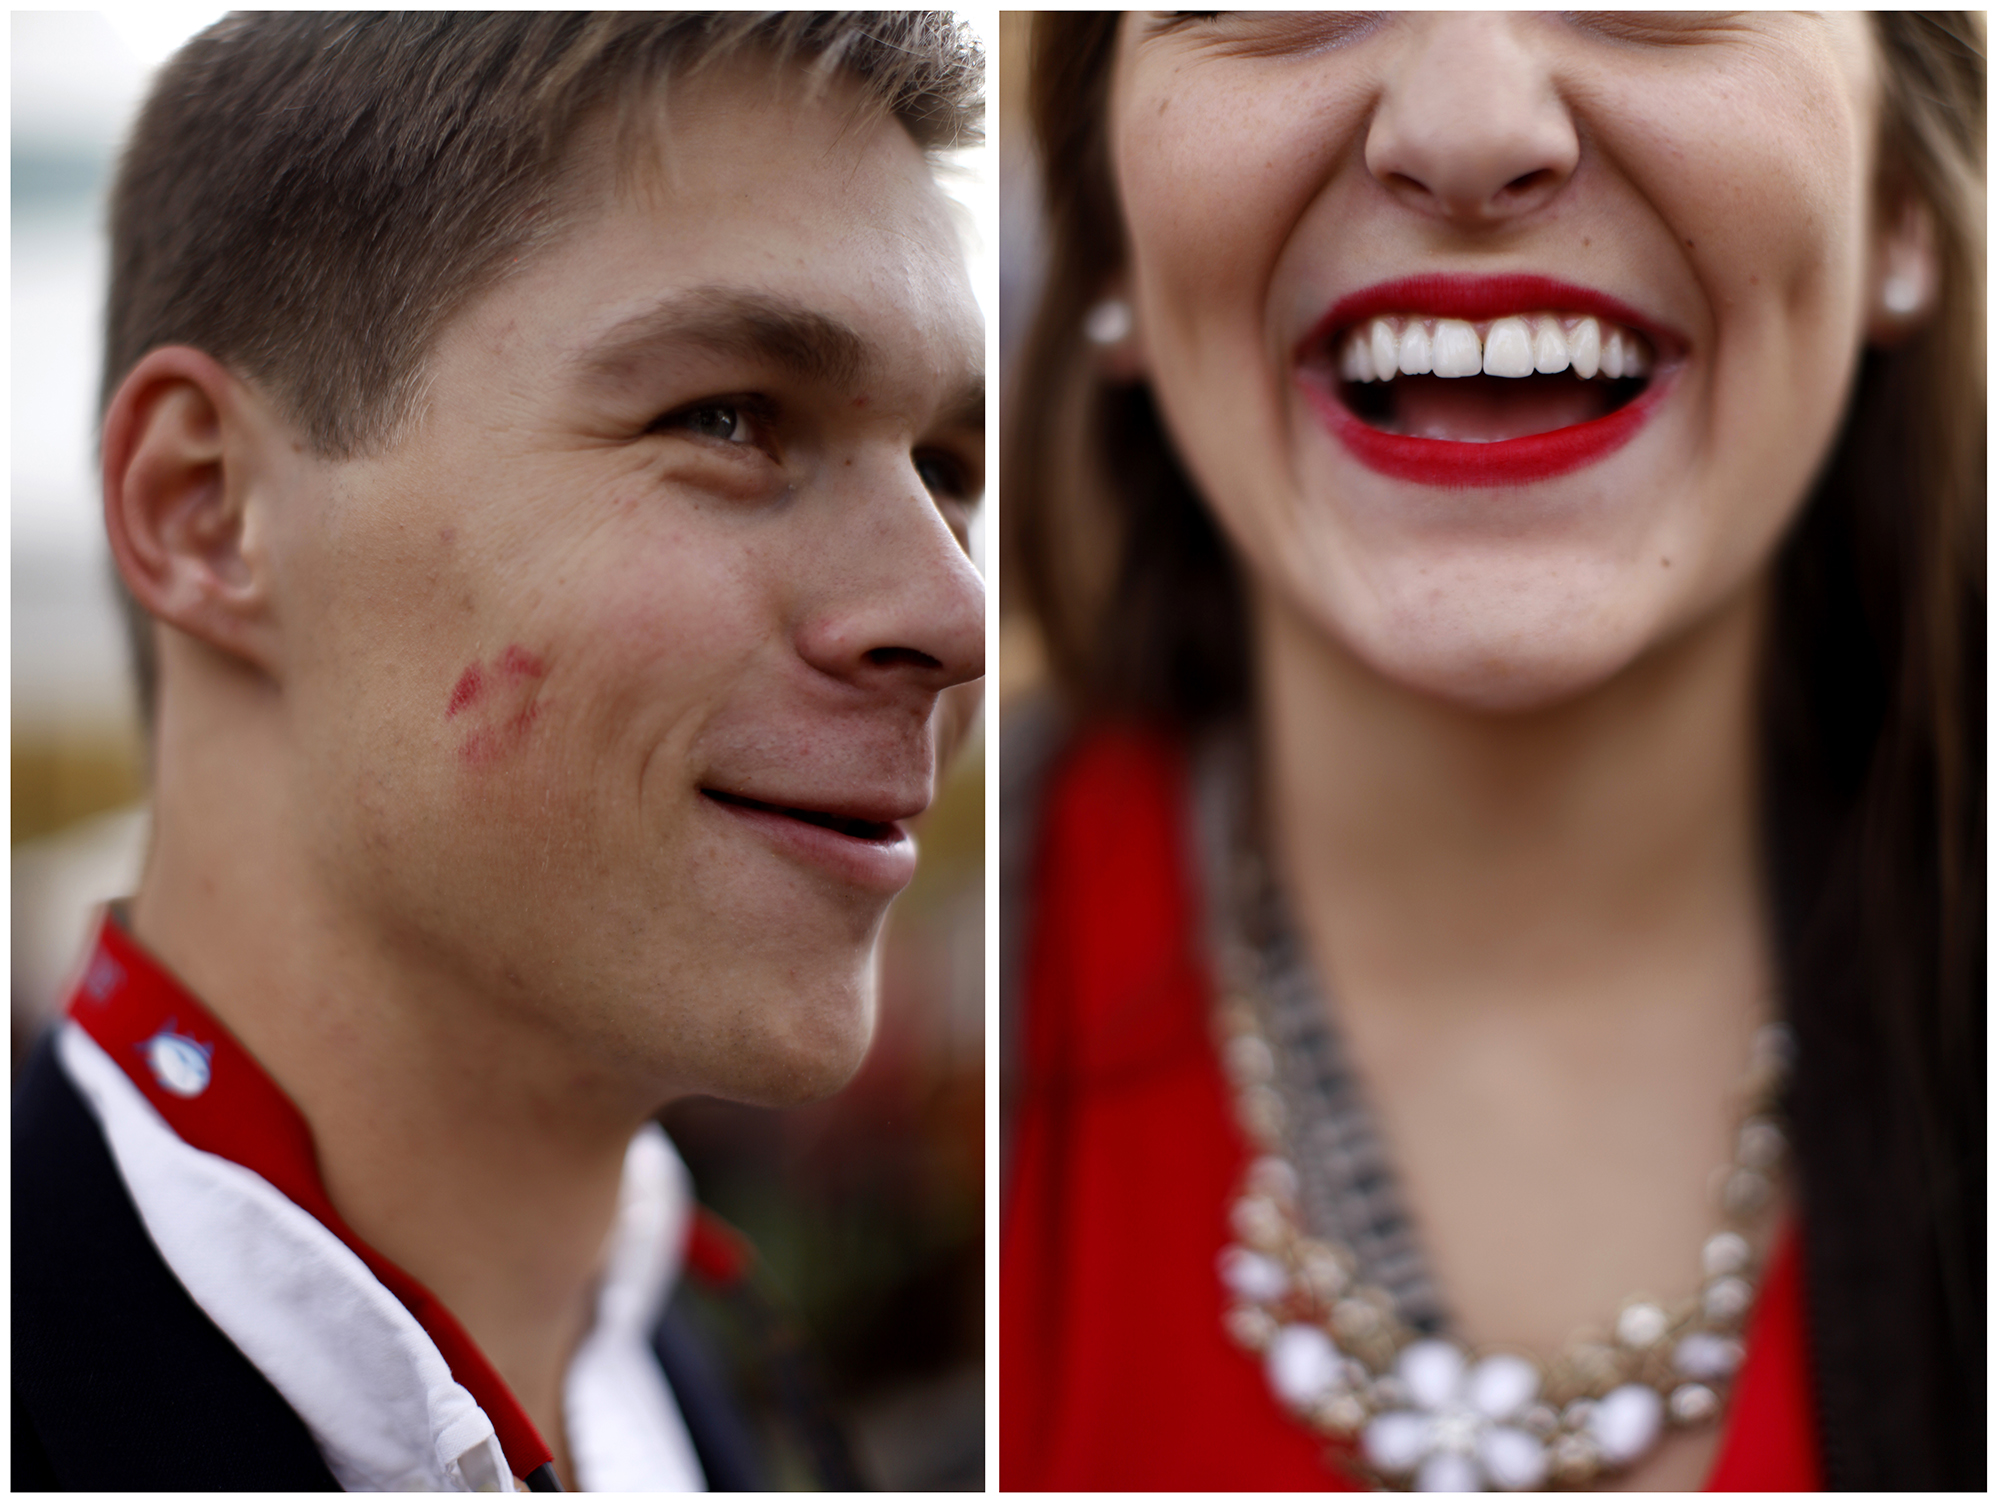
860,842
858,829
1485,381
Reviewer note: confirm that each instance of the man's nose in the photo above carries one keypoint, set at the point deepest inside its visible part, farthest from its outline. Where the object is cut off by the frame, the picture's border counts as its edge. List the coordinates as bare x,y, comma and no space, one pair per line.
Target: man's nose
898,604
1470,127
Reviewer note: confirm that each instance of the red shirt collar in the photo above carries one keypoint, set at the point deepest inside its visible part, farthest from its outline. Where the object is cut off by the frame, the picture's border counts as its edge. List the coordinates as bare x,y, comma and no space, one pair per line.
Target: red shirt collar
218,1099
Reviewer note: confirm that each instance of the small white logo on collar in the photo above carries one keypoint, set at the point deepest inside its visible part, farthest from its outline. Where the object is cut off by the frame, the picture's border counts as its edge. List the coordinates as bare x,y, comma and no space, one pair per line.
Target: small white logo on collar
179,1063
103,978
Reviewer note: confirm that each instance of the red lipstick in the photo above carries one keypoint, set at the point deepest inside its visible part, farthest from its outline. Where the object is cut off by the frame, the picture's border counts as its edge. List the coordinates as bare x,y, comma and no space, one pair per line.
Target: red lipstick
1476,298
1513,461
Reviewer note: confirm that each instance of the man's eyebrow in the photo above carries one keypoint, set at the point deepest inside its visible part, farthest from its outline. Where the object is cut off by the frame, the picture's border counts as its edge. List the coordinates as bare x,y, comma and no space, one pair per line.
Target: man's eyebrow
806,343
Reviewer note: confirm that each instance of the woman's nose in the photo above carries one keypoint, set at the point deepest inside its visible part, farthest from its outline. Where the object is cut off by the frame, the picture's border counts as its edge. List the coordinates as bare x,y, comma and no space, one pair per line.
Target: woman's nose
1470,127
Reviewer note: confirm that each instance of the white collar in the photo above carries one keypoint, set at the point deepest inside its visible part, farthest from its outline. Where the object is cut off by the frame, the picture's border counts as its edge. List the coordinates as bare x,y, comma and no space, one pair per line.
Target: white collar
371,1386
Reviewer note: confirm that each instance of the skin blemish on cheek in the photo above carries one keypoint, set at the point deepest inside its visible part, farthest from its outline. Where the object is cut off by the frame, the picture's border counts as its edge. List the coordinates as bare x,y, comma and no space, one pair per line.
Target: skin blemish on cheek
465,691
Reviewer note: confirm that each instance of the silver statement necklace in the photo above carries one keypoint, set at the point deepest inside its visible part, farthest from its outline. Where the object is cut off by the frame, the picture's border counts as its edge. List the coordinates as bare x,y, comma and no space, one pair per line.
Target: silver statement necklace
1325,1282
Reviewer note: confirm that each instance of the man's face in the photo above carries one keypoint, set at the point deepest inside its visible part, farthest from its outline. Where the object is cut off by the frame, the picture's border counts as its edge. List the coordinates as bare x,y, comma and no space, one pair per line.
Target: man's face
614,679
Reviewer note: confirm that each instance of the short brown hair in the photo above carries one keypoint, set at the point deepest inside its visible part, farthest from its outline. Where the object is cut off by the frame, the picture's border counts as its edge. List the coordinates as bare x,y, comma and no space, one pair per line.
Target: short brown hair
308,198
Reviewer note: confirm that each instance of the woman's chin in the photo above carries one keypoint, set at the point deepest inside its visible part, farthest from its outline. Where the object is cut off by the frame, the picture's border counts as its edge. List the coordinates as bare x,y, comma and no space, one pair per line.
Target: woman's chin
1498,662
1505,686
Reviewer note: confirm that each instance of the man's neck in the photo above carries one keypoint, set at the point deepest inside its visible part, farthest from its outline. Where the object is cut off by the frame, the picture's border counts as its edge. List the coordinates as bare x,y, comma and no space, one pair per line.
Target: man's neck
457,1137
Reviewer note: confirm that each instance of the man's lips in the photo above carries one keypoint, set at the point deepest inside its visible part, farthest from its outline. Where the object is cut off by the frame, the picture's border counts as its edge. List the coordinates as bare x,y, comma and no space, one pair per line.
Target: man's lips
843,820
1465,422
862,842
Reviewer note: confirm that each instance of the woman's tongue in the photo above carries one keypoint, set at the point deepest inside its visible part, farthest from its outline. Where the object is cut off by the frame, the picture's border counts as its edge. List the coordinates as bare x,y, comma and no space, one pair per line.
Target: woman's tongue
1486,409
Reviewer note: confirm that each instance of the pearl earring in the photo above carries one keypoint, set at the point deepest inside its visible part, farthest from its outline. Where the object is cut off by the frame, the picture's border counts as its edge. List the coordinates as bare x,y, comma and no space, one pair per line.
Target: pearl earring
1902,294
1109,322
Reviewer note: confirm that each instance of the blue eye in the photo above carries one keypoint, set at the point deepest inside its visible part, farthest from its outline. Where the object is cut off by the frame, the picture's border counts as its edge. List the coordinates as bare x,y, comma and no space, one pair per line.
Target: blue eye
727,421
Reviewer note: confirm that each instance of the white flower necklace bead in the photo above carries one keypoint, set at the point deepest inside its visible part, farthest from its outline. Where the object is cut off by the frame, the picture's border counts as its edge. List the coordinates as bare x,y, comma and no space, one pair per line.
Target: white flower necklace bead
1425,1413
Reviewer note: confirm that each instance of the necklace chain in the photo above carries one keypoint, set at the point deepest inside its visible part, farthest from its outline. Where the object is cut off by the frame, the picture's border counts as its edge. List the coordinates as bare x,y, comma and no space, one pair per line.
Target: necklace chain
1423,1410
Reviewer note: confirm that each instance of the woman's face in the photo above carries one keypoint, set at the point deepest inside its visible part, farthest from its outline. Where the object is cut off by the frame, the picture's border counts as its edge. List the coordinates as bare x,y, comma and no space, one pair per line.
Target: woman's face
1379,266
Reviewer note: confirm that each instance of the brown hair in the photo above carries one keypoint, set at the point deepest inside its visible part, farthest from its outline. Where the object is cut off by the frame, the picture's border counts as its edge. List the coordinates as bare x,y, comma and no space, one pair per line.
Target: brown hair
1874,722
309,197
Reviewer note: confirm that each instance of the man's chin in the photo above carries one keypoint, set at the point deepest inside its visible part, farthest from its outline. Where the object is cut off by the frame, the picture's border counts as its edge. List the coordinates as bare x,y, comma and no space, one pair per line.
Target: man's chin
801,1051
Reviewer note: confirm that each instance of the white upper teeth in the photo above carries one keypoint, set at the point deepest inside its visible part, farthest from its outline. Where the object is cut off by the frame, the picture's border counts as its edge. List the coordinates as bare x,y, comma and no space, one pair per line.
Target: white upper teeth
1521,345
1382,348
1454,349
1508,350
1413,354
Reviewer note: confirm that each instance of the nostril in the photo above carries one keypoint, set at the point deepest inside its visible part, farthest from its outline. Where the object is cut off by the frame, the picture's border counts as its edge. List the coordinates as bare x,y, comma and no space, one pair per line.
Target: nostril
901,657
1529,182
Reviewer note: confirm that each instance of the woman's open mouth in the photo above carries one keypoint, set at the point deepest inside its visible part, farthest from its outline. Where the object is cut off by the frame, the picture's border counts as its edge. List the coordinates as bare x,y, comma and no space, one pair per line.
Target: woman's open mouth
1465,401
1486,383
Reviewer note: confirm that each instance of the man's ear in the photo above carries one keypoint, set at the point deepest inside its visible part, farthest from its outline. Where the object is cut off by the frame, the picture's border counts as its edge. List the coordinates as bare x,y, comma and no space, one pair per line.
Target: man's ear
184,441
1904,275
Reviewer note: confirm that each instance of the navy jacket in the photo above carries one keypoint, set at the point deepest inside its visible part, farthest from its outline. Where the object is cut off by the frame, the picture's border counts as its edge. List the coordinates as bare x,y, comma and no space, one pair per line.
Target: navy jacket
122,1383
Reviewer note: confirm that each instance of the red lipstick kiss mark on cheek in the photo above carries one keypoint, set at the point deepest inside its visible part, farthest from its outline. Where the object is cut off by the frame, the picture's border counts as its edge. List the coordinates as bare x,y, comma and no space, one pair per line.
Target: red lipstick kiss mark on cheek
518,662
491,743
511,676
465,691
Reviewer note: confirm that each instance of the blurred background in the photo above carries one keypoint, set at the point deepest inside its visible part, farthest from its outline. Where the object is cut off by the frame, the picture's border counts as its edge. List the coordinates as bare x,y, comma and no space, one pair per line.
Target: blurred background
868,1209
1020,256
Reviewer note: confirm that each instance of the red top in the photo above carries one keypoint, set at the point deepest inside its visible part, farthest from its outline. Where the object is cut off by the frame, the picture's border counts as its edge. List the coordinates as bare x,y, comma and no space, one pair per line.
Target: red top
1115,1372
218,1099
